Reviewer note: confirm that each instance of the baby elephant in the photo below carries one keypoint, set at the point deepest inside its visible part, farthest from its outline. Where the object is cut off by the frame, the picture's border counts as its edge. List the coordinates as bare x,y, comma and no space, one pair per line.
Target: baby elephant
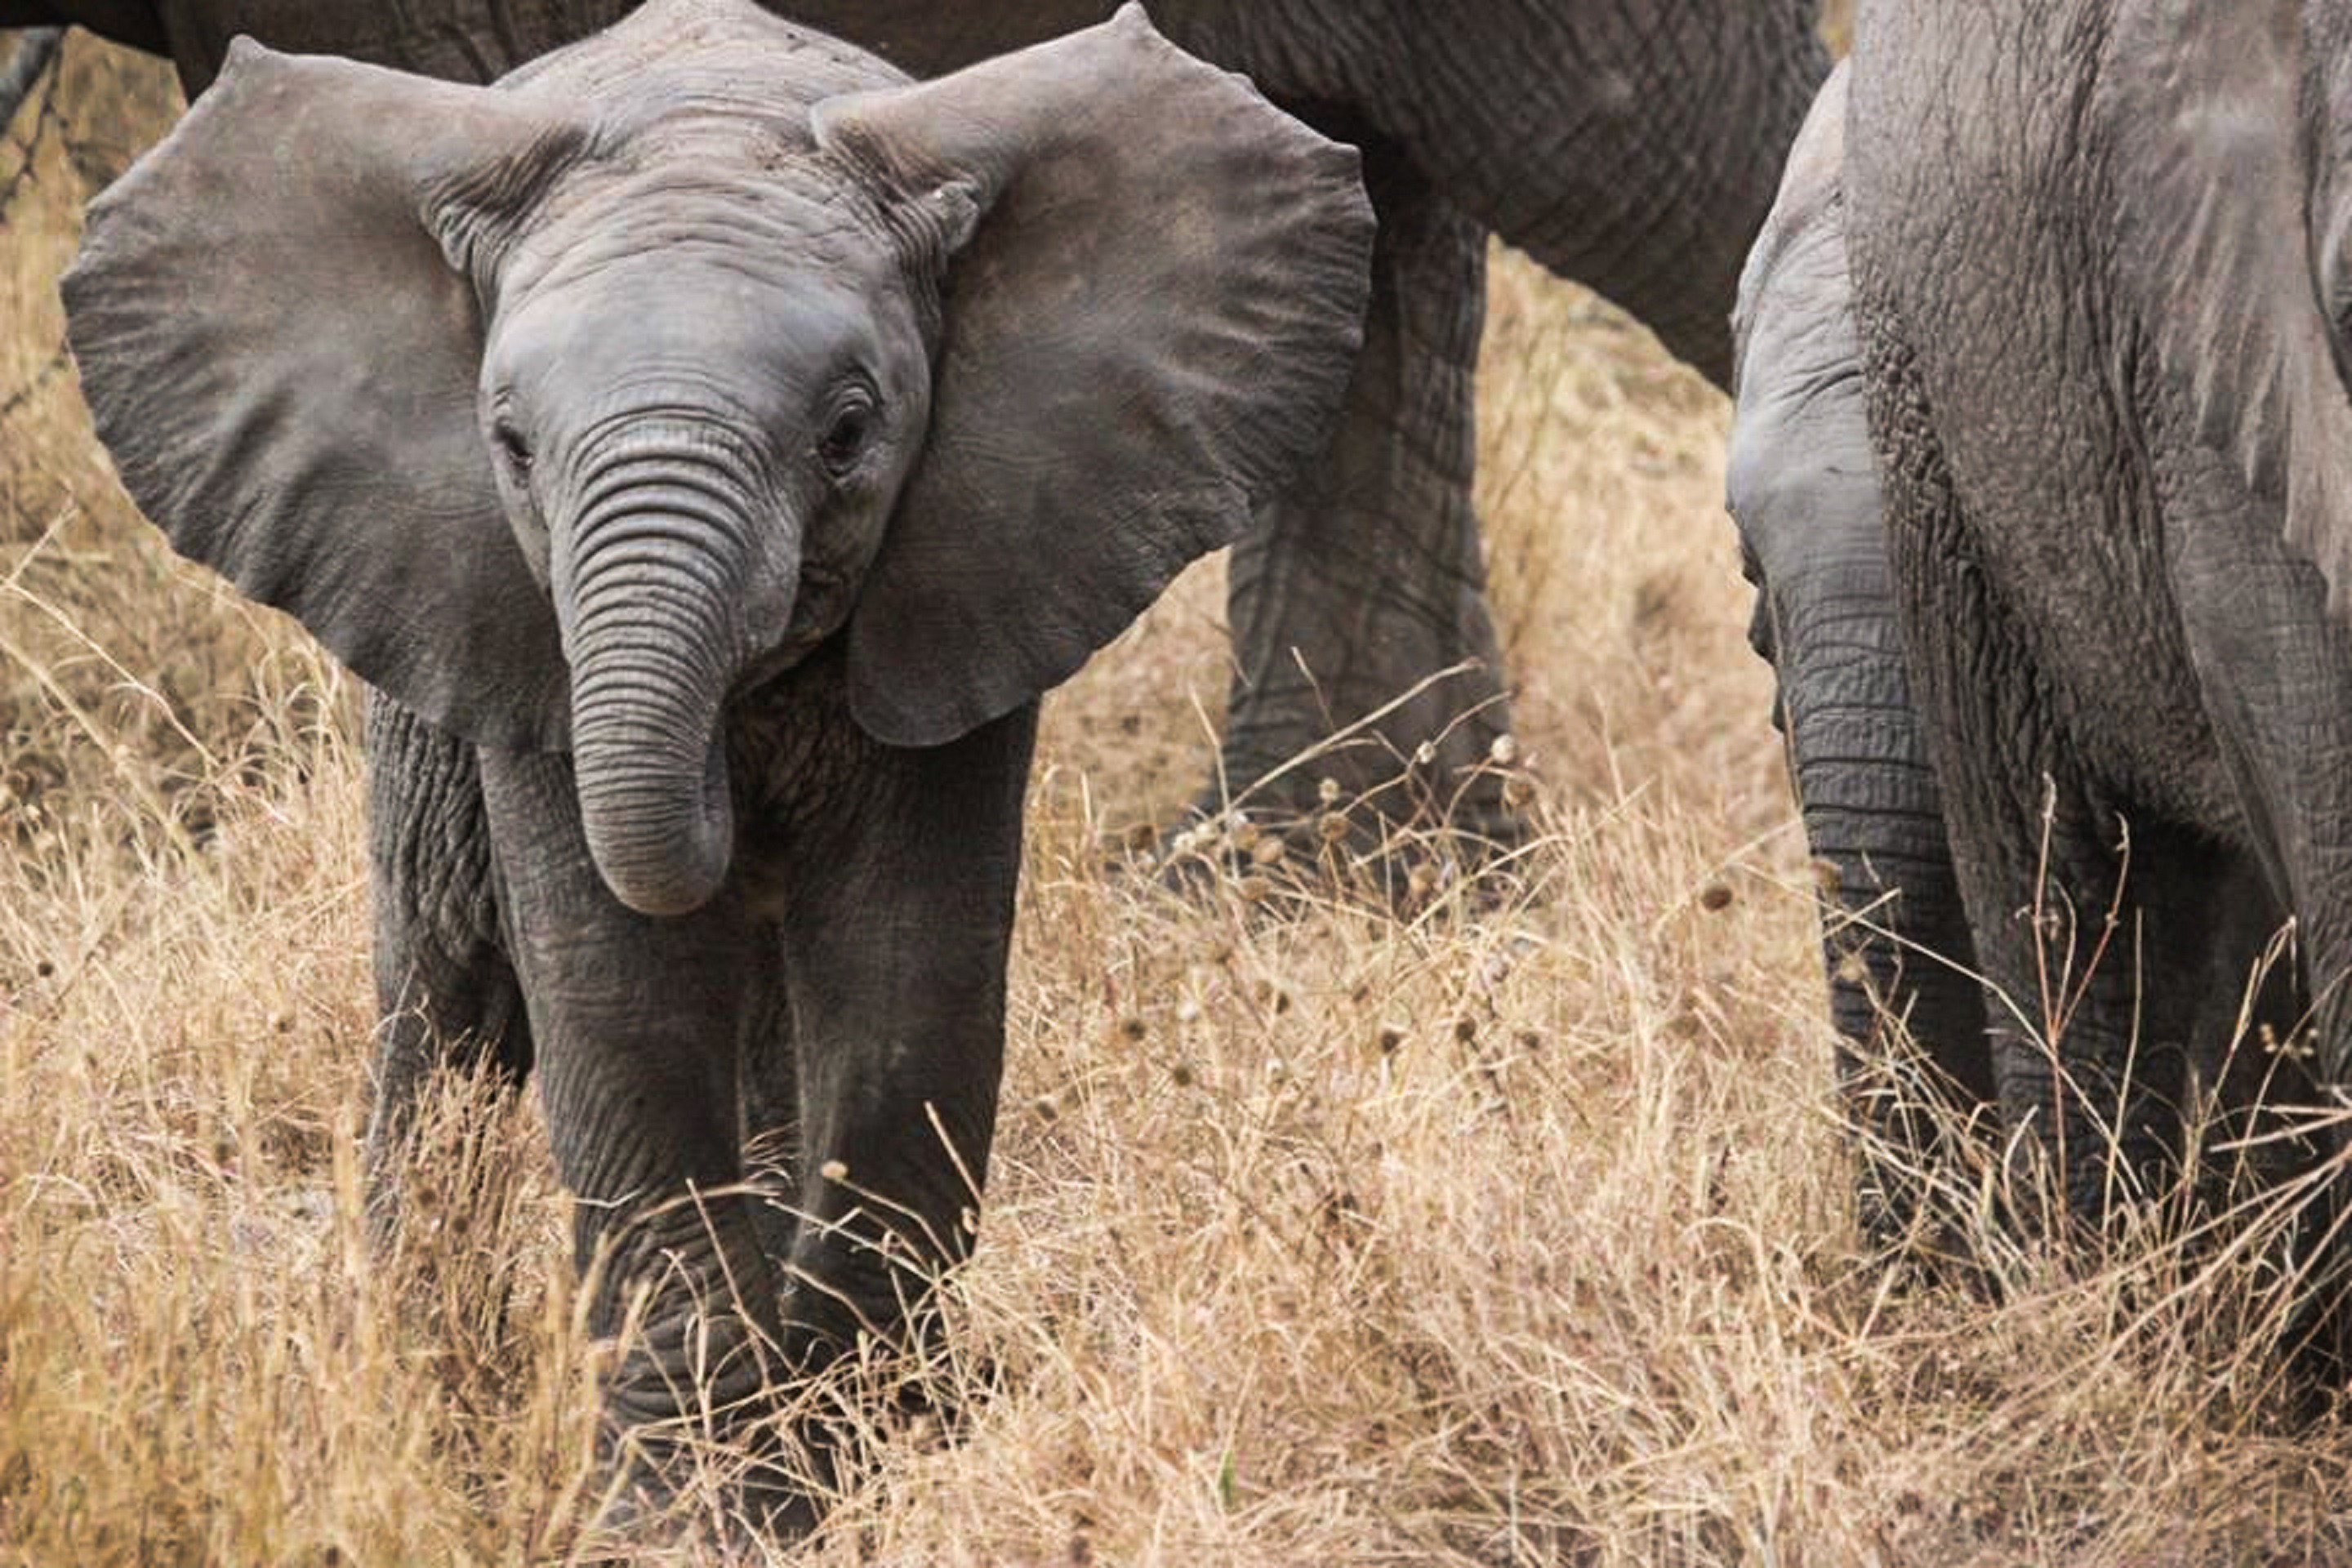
708,445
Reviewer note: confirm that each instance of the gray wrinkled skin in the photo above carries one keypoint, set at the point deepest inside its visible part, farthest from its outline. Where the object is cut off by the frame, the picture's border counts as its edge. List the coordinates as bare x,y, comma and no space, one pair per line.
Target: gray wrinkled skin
708,445
1630,144
1804,492
2094,249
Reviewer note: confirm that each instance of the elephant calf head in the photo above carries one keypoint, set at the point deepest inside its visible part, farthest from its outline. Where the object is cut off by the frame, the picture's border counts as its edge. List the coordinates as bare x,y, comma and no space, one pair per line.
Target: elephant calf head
562,410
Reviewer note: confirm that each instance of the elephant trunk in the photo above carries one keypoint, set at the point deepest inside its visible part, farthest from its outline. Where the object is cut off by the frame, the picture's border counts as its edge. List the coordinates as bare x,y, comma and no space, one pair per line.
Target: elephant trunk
1896,930
650,584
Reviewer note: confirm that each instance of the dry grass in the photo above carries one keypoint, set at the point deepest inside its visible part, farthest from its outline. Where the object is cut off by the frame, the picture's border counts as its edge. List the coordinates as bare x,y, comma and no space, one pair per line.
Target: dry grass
1478,1235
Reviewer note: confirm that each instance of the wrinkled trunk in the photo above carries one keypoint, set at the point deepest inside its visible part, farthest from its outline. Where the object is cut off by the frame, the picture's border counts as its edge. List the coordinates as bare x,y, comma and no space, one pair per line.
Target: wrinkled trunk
1873,816
648,580
1894,932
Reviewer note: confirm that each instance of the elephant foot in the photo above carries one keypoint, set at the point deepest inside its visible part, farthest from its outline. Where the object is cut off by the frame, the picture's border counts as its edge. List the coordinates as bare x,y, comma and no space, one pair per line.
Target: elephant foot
1297,844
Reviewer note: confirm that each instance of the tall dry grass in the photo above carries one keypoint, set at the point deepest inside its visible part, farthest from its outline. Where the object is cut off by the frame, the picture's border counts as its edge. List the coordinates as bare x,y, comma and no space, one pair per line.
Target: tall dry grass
1474,1234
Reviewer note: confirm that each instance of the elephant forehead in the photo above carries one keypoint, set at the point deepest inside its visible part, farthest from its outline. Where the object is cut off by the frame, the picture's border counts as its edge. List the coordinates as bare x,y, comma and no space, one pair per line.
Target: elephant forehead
707,193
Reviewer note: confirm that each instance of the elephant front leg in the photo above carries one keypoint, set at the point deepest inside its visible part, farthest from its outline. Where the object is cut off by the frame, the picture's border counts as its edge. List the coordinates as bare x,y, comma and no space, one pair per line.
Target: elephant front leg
447,995
897,911
638,1020
1366,579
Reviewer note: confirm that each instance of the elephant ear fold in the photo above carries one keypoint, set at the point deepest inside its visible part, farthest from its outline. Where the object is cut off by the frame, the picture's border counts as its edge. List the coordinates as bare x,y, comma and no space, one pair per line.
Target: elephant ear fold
2216,181
280,354
1152,324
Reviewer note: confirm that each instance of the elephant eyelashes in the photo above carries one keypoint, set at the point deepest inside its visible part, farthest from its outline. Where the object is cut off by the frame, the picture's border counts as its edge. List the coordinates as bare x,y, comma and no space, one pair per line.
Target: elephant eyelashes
845,439
512,446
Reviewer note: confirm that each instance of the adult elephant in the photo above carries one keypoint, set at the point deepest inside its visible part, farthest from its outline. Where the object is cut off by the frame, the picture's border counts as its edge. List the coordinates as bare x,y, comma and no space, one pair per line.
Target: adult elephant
707,444
2103,355
1630,144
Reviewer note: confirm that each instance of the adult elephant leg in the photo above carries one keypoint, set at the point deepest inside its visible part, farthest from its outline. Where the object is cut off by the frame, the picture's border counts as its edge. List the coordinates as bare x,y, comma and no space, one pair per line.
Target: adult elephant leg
445,993
2271,667
1365,579
2090,927
637,1020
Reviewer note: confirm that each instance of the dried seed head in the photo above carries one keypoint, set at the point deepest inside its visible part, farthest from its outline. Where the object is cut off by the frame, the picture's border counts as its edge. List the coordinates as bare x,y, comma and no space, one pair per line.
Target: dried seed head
1827,877
1504,751
1466,1029
1141,836
1328,792
1715,896
1423,882
1046,1108
1268,852
1518,791
833,1171
1529,1040
1244,836
1331,827
1391,1038
1426,754
1181,1075
1132,1028
969,1220
1851,970
1252,888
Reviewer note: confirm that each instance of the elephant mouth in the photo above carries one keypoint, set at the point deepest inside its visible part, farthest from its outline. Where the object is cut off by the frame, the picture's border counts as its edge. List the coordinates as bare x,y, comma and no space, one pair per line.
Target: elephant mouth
819,611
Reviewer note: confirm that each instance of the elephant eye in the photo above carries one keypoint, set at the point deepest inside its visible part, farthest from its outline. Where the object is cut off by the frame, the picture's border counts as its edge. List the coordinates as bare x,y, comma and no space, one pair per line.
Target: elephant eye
845,439
512,445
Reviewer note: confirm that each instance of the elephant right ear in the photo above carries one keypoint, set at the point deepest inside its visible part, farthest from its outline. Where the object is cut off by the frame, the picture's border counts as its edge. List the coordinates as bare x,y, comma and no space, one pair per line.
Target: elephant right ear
2215,184
281,358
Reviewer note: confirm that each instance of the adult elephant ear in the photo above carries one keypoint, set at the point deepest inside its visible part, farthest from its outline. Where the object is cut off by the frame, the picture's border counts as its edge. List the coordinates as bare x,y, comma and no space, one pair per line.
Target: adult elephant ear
1152,322
2215,180
282,359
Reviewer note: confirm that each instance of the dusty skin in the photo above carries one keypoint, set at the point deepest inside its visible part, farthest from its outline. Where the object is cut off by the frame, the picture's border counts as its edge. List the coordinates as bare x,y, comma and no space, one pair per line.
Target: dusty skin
1480,1235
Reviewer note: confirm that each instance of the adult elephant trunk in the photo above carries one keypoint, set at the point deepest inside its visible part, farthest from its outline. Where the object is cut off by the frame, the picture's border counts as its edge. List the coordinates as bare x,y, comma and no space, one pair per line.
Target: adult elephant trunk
651,579
1894,930
1874,815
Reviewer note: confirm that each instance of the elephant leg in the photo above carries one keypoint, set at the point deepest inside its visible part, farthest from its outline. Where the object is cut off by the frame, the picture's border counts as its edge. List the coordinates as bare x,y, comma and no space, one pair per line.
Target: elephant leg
1365,579
767,1079
638,1022
445,995
2273,667
896,918
2096,928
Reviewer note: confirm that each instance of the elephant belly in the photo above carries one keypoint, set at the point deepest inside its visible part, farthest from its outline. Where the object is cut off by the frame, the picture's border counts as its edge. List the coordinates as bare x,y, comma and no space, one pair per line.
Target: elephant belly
924,38
459,40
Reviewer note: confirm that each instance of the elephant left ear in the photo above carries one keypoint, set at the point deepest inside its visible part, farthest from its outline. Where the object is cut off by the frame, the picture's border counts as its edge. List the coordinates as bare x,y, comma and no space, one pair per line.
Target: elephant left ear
2217,184
1152,324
